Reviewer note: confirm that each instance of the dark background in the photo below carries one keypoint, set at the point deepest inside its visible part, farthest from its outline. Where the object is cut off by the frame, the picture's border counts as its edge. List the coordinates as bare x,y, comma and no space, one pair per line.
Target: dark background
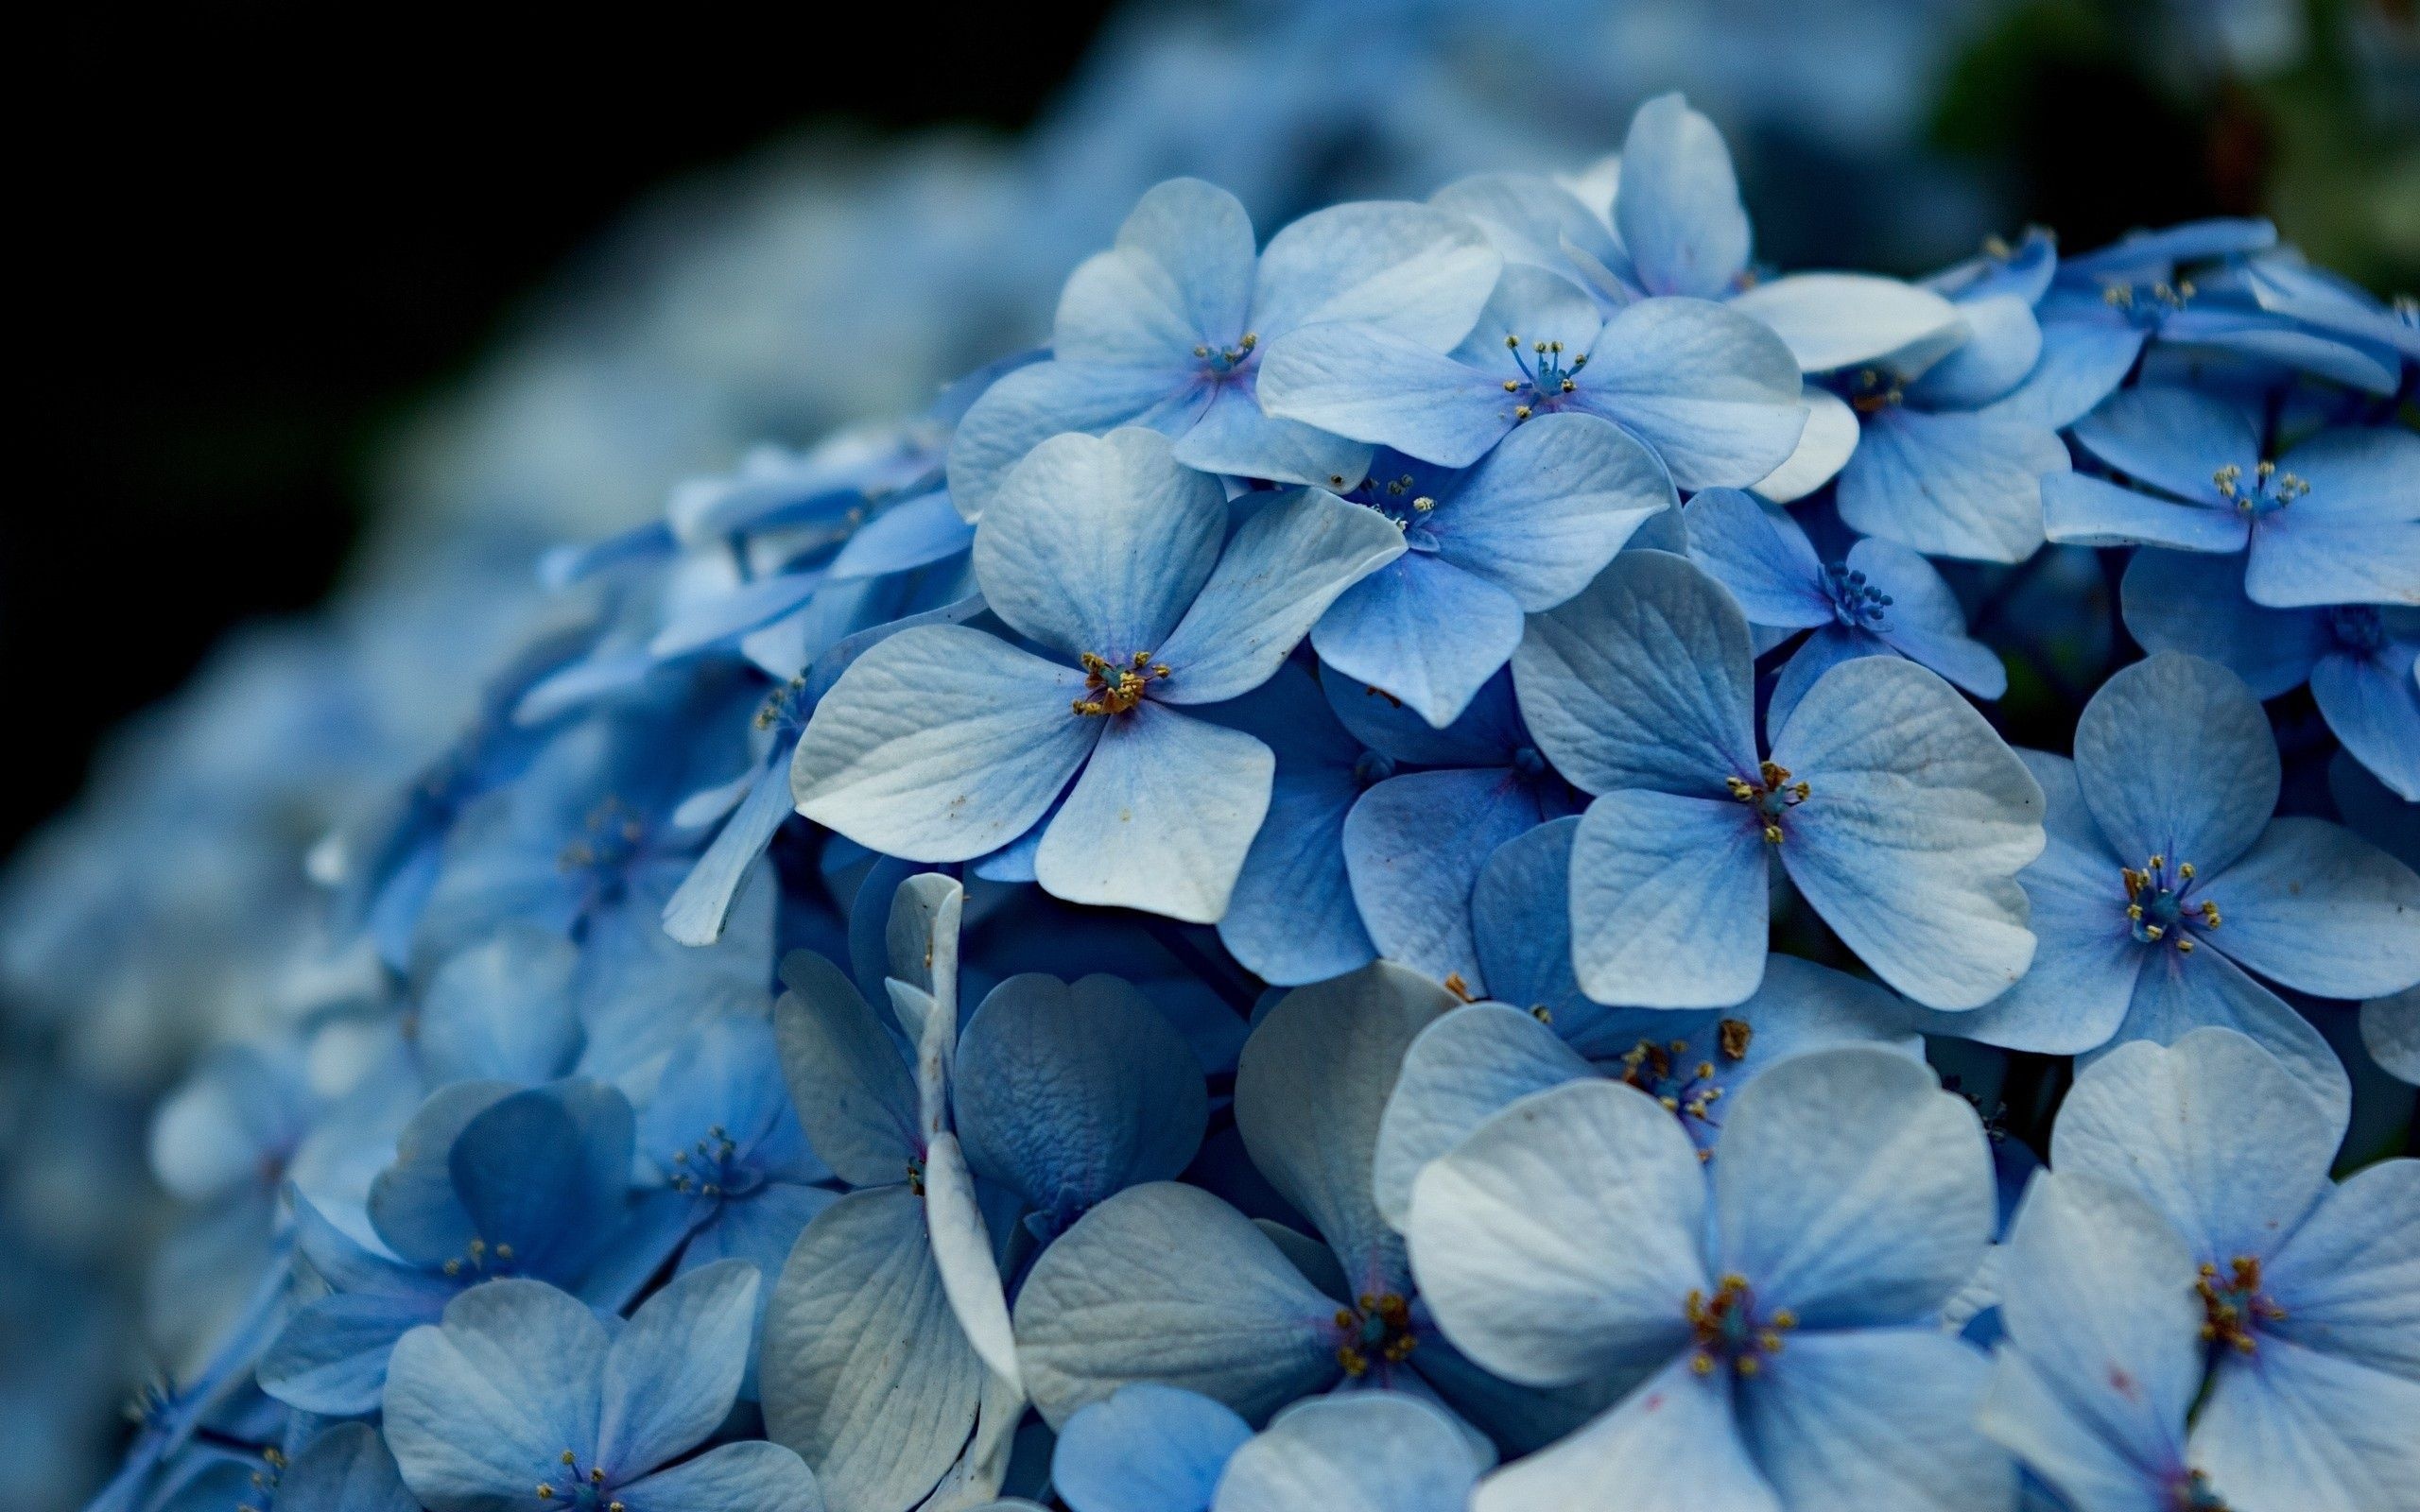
260,239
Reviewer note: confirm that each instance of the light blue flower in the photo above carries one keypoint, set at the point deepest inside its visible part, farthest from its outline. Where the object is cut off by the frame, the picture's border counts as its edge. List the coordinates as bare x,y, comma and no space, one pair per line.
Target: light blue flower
2357,658
1166,1283
1521,531
2334,520
1169,329
1774,1331
1893,808
2165,884
1878,599
1145,1448
488,1181
2303,1282
521,1397
942,744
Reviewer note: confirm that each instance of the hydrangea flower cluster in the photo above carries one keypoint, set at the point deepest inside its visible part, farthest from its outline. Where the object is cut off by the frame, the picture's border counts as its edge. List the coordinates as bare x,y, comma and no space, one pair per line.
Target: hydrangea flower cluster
1344,890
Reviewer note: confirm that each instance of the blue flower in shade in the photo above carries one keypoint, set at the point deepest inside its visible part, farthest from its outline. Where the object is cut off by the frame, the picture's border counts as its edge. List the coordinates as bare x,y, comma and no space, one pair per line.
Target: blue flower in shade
2391,1033
942,742
1893,808
2165,884
1414,842
521,1397
2316,300
2357,658
2334,520
1469,1064
2312,1344
1774,1331
344,1467
1166,1283
1878,599
1054,1096
1169,329
1155,1449
1521,531
487,1182
2101,1358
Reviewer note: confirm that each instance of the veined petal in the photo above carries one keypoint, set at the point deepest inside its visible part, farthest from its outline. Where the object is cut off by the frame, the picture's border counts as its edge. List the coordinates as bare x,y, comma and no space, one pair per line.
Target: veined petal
1678,208
1423,630
1033,404
2321,910
1180,274
1880,1419
1359,382
1406,269
2175,760
1457,1073
1367,1451
1712,393
1951,485
2194,604
1673,1445
1669,901
2087,512
1414,846
1161,817
1761,555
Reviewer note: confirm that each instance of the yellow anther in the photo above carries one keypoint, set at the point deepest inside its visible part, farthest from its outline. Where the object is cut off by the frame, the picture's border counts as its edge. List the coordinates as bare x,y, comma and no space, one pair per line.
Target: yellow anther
1569,386
1521,412
2184,946
1772,834
546,1493
2184,869
1511,386
1424,503
2153,933
1748,1365
1542,1013
1733,1036
1456,986
1511,343
569,1458
2210,913
1702,1364
2134,911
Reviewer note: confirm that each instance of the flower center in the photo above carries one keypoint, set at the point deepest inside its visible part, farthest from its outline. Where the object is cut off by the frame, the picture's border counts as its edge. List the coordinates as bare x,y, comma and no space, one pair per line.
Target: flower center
1545,375
1225,360
481,1260
2190,1492
265,1482
1855,603
2269,490
2159,906
1769,798
2233,1304
2358,627
2147,306
578,1487
1376,1332
1403,505
1730,1332
1111,689
709,1168
1688,1090
784,710
610,837
1872,390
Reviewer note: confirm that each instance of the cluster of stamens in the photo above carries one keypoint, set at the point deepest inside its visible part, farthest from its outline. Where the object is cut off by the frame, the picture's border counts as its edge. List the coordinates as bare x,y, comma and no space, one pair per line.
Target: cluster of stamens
580,1488
614,831
478,1256
1111,689
1776,795
2156,907
1379,1328
707,1176
265,1480
2149,303
2234,1305
1227,359
1399,501
1855,602
1650,1066
1873,391
1728,1331
782,708
1542,372
2191,1492
2269,488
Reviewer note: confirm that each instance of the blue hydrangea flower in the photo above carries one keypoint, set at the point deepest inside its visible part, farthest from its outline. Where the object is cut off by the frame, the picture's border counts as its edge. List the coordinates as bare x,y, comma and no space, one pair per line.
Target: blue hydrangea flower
488,1181
2334,520
942,744
2359,658
1521,531
1773,1332
2303,1282
1892,805
1145,1448
1169,329
345,1468
1168,1284
521,1397
2165,884
1878,599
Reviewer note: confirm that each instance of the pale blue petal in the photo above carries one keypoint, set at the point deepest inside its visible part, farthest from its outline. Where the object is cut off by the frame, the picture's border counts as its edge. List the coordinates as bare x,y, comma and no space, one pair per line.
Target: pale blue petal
1414,846
1180,274
502,1010
2177,994
2346,1278
1924,622
1557,1242
674,1369
1521,924
1673,1445
1761,555
2088,511
1167,1283
1033,404
964,1255
1148,1447
2355,536
332,1355
2372,704
2191,603
1457,1073
865,1372
1918,820
1542,513
1368,1452
697,911
1388,391
941,744
1669,901
1824,448
1278,576
1235,437
1643,680
1067,1095
1834,320
1851,1189
2321,910
1953,485
1678,206
1713,393
1290,918
478,1409
2211,1130
1098,544
1406,269
344,1468
913,533
1818,653
751,1473
2301,1429
1311,1091
1529,217
2172,438
848,1077
2002,344
1880,1419
1160,818
2176,760
2082,362
1424,630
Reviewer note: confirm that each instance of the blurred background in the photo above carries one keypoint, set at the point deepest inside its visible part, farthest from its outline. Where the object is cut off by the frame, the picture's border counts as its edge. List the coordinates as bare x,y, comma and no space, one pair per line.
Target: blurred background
354,317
